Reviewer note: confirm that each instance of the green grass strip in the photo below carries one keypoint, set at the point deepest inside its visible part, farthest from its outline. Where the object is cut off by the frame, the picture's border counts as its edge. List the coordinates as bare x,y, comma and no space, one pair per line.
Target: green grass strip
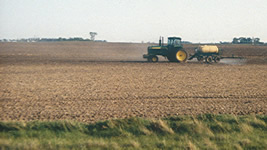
182,132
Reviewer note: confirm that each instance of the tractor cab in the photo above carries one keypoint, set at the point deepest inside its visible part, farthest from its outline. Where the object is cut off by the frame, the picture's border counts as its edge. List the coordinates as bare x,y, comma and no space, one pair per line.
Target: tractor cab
174,41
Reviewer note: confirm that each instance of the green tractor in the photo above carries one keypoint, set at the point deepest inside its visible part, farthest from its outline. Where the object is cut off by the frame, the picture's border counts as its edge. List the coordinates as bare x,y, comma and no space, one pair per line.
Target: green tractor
174,51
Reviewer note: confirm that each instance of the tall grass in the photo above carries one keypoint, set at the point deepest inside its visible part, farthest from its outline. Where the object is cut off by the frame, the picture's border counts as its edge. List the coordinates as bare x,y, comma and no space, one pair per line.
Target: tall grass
182,132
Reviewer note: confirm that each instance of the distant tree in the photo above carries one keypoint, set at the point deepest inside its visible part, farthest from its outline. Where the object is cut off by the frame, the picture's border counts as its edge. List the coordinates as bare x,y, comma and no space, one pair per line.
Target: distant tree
257,40
235,41
249,40
93,34
243,40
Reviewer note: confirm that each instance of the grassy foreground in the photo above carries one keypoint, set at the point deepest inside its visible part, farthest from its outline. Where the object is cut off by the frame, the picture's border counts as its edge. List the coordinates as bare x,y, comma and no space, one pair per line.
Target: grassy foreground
183,132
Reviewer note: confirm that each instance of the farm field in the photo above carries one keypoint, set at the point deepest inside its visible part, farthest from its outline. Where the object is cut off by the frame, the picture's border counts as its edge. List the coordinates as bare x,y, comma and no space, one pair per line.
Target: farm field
89,82
114,99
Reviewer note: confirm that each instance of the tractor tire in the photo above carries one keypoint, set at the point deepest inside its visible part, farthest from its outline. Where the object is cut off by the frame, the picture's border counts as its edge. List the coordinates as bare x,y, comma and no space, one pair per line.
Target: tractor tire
153,58
178,56
208,59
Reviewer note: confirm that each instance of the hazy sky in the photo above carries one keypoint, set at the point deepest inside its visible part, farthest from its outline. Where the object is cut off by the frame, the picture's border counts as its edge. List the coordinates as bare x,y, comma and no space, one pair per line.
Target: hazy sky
134,20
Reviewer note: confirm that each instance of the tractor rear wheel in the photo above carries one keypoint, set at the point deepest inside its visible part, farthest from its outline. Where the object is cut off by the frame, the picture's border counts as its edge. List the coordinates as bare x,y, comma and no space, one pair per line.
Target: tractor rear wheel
178,56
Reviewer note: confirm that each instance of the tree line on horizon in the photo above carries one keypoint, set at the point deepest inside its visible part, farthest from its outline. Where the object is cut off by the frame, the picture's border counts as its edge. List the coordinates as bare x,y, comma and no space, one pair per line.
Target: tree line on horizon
246,40
49,39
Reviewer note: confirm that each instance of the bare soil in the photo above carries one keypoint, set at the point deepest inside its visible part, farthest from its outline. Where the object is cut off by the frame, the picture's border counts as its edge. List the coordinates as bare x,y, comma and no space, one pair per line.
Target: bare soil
88,82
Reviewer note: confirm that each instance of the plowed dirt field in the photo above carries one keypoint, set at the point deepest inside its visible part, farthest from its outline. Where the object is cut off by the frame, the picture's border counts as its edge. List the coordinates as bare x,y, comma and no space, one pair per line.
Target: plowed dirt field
88,82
